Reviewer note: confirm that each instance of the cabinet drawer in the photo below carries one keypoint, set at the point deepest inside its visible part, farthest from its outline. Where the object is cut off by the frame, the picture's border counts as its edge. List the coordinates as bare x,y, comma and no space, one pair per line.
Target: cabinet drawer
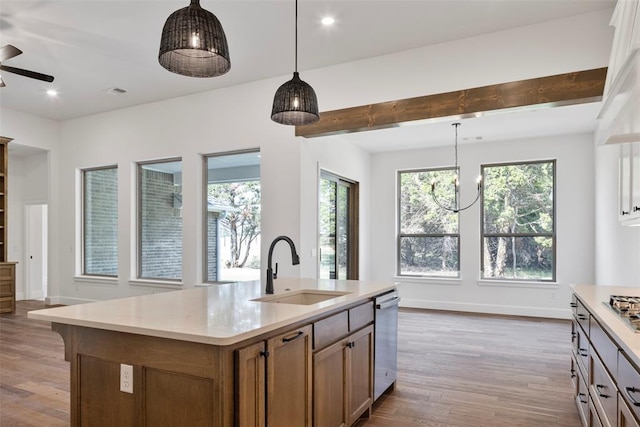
594,418
7,271
604,346
360,316
629,383
603,392
574,374
582,399
331,329
625,415
6,288
581,349
7,304
581,314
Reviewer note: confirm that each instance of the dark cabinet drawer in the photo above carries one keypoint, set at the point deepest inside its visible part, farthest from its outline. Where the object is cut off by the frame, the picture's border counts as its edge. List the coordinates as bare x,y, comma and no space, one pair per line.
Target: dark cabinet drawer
581,314
625,416
603,392
581,348
629,383
602,344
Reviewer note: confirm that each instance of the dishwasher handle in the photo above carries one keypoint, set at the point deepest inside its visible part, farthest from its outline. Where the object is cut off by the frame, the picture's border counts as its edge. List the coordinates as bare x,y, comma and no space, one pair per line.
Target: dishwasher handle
388,303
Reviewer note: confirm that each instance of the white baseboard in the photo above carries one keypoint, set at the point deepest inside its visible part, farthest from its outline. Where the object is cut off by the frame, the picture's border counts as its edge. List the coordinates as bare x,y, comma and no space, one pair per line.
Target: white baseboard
36,295
66,300
513,310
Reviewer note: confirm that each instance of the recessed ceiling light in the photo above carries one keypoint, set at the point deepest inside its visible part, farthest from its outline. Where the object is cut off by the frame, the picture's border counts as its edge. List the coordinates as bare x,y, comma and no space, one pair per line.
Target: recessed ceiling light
328,21
52,92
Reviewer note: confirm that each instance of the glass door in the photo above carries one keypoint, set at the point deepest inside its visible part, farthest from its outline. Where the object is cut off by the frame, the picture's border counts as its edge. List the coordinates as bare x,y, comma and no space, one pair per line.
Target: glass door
338,242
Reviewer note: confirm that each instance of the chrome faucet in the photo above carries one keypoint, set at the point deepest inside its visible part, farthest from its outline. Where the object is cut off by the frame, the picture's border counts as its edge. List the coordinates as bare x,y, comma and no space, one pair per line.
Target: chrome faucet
295,260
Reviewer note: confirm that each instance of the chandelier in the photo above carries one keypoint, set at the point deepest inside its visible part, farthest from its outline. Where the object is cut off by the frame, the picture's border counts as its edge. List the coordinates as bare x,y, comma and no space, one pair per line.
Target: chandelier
456,185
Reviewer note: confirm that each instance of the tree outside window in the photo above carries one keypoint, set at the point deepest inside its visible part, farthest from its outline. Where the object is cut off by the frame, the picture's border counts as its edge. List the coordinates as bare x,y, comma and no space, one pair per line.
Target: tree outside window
428,236
518,221
233,201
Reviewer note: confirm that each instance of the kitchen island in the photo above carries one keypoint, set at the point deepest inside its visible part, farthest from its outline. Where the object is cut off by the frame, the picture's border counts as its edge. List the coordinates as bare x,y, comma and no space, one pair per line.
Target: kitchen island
223,355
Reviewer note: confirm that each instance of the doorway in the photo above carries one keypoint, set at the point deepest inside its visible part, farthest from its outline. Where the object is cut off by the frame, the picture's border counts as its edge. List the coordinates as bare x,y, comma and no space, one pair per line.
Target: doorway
36,251
338,217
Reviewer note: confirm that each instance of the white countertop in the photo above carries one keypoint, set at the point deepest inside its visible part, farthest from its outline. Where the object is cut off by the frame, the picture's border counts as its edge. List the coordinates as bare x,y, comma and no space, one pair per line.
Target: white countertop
217,314
594,297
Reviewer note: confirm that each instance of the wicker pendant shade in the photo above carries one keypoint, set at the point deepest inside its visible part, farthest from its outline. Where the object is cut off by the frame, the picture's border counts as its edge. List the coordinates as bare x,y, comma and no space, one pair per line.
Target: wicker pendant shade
194,44
295,102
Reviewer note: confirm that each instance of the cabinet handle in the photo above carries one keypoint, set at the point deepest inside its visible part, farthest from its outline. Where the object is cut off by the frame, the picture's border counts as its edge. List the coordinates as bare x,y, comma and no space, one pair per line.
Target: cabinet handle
351,344
573,373
573,305
300,334
600,387
264,353
630,390
625,213
583,352
573,336
636,208
581,317
580,397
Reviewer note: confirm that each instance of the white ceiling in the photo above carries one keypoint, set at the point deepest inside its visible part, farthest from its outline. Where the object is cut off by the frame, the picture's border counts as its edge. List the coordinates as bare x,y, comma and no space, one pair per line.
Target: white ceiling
93,45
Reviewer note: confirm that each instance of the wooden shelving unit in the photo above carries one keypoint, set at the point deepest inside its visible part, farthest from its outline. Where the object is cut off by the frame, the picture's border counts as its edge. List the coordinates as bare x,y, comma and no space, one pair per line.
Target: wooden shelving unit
7,269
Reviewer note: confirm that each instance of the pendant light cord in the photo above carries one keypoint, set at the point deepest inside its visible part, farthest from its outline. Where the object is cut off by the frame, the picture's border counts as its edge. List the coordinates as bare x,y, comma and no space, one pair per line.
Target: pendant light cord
296,54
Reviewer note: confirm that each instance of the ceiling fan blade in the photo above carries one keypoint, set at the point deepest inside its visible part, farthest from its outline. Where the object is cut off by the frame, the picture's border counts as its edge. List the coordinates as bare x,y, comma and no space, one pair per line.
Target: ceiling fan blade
27,73
8,51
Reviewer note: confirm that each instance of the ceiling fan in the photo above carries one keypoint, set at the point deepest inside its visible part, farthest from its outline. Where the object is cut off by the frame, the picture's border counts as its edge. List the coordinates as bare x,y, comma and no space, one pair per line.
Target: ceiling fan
9,51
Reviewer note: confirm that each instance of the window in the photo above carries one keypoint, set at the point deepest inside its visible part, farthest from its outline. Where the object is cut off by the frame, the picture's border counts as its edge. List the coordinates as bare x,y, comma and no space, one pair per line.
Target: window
428,236
232,203
518,221
160,220
100,221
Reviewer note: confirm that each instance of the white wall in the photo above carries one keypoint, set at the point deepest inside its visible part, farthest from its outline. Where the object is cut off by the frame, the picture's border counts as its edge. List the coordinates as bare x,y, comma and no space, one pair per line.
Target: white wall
238,118
574,227
617,250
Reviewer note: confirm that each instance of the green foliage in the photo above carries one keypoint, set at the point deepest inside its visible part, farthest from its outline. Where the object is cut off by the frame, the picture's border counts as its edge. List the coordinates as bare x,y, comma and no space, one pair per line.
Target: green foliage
517,201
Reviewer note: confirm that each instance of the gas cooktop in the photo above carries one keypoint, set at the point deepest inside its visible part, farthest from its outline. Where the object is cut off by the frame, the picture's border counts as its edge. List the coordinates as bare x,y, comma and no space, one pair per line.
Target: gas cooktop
628,308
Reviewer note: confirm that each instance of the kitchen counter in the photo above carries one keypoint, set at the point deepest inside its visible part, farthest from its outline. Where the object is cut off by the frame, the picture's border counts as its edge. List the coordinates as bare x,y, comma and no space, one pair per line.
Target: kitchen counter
214,356
596,299
217,314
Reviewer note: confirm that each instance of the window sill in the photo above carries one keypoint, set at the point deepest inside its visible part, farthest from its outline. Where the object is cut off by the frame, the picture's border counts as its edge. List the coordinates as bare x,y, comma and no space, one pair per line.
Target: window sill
450,281
102,280
518,284
156,283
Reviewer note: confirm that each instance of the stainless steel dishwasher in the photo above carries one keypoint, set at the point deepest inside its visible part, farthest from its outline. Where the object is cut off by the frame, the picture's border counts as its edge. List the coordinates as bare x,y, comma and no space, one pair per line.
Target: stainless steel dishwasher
386,342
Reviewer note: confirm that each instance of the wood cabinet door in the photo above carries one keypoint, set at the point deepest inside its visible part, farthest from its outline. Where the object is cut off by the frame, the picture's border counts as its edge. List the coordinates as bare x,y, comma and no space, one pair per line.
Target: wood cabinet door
250,394
289,391
329,385
359,373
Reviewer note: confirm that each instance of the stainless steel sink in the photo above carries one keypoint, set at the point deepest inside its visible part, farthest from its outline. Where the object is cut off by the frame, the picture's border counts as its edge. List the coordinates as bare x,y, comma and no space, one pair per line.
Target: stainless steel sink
302,297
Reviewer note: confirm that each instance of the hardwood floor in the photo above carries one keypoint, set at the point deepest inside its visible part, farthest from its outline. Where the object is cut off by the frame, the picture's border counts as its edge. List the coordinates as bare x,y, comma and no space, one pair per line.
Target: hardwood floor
455,369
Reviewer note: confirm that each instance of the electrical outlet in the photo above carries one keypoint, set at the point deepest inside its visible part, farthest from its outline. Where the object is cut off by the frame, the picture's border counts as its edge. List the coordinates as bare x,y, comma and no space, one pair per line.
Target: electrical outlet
126,378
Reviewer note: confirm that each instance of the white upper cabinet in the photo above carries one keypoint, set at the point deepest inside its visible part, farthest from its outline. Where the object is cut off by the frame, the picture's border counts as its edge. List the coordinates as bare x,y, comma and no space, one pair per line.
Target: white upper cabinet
619,118
629,207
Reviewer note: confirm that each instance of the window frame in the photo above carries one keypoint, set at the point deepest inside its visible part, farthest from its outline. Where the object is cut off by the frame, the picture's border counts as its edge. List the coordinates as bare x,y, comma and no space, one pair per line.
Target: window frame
205,187
139,276
400,235
83,217
552,235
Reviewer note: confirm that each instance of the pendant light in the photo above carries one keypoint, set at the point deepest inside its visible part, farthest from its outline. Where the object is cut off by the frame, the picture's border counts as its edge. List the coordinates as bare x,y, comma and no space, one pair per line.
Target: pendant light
456,185
193,43
295,102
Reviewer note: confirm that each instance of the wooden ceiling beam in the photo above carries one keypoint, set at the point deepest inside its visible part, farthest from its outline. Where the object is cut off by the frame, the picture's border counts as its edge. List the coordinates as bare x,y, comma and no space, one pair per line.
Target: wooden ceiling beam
562,89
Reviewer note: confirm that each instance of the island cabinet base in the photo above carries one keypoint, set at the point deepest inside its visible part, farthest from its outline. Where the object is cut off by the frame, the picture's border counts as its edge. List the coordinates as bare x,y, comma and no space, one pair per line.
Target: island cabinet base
174,382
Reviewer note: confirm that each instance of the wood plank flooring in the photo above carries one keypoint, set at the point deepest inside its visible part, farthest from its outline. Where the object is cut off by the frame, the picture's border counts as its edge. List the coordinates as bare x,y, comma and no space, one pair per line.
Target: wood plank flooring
455,369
